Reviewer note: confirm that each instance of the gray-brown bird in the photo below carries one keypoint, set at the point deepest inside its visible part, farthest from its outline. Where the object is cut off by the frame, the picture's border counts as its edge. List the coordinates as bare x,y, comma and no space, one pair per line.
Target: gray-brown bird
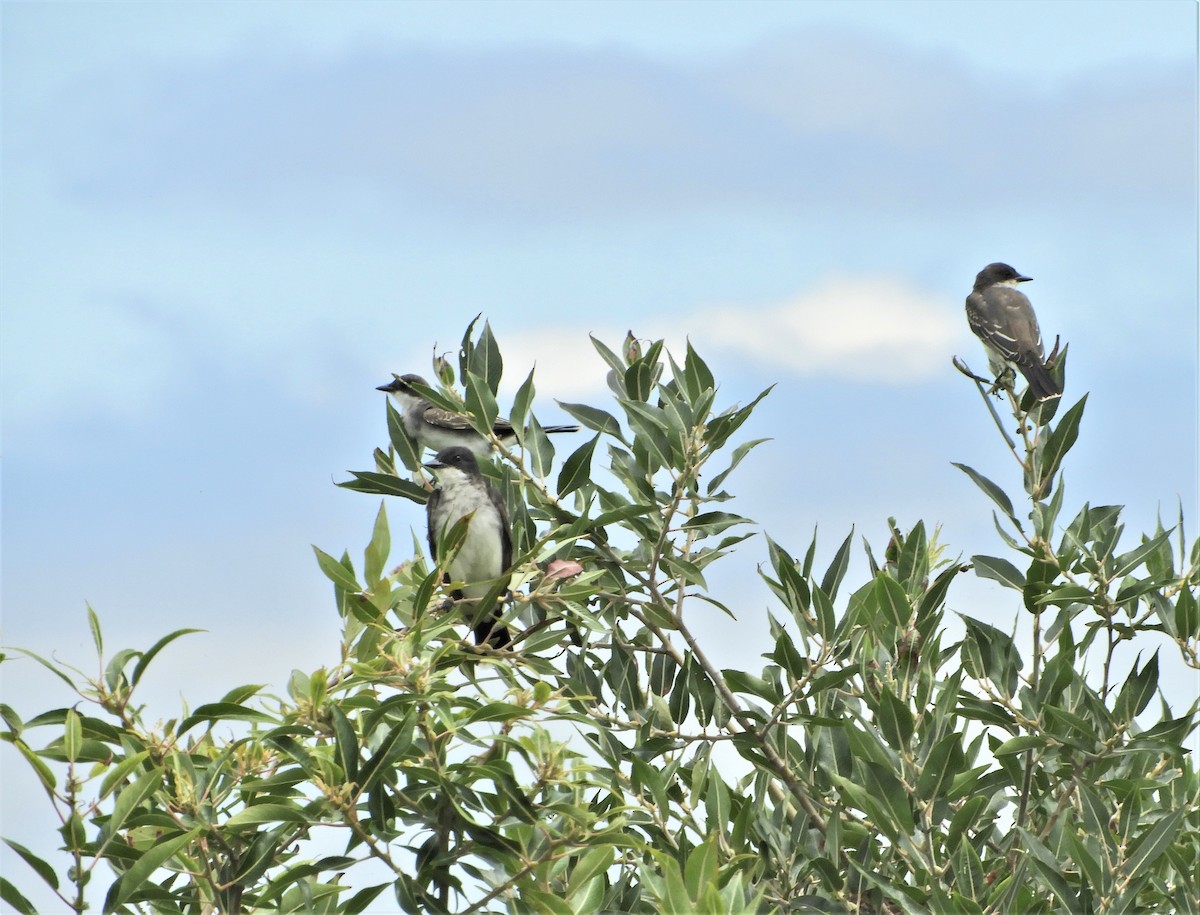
434,428
486,552
1001,316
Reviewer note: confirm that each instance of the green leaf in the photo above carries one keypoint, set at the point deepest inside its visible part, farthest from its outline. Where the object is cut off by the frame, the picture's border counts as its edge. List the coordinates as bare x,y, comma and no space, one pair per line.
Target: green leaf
837,568
520,408
94,625
385,484
968,872
336,572
130,798
128,884
149,654
1020,745
595,419
265,814
347,742
1138,690
993,492
541,452
1151,844
714,522
735,458
482,408
1000,570
944,762
13,897
702,868
895,720
44,773
891,599
407,449
376,554
483,359
72,735
1127,562
44,870
223,711
1051,870
1058,444
577,468
592,863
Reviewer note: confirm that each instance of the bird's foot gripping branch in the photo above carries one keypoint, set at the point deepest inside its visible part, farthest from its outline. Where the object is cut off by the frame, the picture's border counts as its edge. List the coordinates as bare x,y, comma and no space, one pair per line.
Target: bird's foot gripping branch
887,757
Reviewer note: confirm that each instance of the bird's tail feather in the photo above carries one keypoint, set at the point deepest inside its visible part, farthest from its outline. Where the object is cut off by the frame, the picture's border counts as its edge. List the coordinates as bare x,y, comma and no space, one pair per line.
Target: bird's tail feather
492,633
1041,382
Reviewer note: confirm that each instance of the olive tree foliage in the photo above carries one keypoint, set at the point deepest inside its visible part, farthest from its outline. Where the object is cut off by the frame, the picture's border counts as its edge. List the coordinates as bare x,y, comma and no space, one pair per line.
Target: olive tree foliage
875,763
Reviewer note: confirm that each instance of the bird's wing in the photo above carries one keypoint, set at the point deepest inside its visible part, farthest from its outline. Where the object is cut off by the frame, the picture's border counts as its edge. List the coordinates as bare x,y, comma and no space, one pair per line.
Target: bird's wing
1003,318
431,509
505,527
444,419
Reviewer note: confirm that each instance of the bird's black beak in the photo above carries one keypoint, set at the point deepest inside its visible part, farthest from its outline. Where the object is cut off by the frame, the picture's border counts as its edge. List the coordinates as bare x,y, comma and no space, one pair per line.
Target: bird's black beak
1024,279
394,385
434,465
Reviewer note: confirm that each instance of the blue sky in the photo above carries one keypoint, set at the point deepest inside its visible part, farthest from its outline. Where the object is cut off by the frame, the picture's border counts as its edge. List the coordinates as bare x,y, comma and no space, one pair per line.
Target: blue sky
225,224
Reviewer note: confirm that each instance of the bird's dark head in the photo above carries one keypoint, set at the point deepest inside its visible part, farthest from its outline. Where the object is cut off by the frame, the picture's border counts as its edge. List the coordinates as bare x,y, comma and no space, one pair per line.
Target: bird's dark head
403,384
456,458
999,273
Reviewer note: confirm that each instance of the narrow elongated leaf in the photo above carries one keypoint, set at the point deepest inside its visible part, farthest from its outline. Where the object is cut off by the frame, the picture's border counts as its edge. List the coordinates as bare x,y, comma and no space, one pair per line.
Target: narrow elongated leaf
13,897
1151,844
44,870
593,863
484,360
577,468
520,409
944,762
335,571
385,484
408,450
94,625
541,452
347,742
264,814
702,868
1001,570
1059,443
895,720
482,408
736,458
837,568
141,870
130,799
376,554
892,601
72,735
153,650
993,492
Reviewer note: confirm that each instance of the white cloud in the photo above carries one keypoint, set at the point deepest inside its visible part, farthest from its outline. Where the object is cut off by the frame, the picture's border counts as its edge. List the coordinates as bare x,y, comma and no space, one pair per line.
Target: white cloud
857,328
871,329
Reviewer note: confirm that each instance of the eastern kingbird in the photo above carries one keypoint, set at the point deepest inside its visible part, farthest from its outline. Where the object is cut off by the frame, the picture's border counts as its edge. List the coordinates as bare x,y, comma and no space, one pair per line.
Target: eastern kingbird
437,429
486,552
1003,319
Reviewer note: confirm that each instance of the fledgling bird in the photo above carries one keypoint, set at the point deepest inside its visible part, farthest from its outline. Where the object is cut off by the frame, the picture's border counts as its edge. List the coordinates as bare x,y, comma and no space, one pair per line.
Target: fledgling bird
436,429
486,553
1001,316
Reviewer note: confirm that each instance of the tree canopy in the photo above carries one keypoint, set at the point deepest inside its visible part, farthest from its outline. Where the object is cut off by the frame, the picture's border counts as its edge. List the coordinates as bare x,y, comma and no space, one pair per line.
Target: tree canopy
881,759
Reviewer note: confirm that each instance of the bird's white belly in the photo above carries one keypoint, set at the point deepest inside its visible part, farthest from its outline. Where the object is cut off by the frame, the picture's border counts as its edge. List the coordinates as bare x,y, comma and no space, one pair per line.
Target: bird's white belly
480,558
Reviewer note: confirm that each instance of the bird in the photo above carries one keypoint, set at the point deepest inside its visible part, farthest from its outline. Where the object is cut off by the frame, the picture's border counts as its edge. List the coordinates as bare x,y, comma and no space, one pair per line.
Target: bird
437,429
486,552
1001,316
